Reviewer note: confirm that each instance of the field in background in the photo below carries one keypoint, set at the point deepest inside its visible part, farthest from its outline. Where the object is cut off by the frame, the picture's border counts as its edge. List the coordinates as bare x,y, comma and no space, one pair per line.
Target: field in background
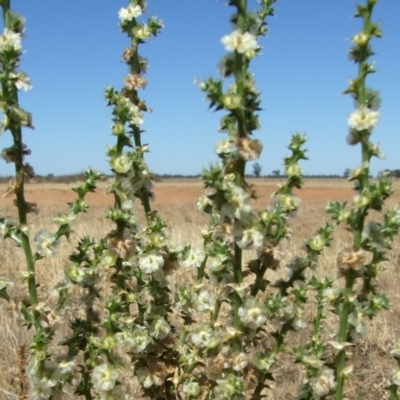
175,201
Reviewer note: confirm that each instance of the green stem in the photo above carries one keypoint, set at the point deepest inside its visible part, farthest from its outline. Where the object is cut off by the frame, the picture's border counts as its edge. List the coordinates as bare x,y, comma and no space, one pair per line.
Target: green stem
215,313
144,195
343,333
135,68
16,131
393,392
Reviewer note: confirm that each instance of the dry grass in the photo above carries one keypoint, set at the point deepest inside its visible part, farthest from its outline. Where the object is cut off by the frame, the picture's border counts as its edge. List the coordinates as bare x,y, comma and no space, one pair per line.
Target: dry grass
370,356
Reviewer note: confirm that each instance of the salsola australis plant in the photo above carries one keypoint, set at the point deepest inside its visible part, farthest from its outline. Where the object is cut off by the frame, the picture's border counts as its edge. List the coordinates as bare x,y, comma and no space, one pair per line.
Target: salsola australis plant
224,332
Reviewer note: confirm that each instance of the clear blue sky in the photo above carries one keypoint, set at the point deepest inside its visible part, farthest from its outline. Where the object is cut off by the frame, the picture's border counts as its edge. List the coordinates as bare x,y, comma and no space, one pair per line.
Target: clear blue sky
73,51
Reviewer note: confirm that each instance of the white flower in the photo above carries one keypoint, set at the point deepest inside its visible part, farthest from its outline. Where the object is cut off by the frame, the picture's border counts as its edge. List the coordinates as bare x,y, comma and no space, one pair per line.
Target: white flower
324,383
144,377
239,361
49,374
151,262
312,361
121,164
159,328
67,367
363,119
114,394
63,219
238,203
128,14
193,259
204,336
40,391
252,313
203,301
140,339
360,323
241,42
251,238
223,147
142,32
4,282
135,115
22,81
203,202
108,259
230,388
76,273
191,389
217,263
10,40
104,377
46,243
396,376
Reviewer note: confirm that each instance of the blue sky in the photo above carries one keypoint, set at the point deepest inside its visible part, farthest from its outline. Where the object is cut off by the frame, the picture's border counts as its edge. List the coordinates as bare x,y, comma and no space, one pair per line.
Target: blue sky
73,52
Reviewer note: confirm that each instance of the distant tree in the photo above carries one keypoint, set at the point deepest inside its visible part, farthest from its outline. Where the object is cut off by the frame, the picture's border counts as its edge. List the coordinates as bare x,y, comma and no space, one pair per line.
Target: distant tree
396,173
276,172
346,173
257,169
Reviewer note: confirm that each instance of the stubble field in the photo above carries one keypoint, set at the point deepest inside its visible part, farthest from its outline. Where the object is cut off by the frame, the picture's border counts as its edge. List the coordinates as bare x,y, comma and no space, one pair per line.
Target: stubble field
175,201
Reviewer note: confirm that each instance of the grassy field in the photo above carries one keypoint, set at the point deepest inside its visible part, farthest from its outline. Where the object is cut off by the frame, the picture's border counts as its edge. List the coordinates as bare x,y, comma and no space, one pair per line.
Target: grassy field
175,201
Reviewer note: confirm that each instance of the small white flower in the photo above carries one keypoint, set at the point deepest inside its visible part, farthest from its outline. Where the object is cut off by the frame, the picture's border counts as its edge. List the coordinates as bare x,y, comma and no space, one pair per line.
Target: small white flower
252,313
144,377
10,40
129,13
142,32
324,383
191,389
63,219
76,273
203,202
360,322
50,373
396,376
159,328
241,42
104,377
217,263
46,243
121,164
194,259
203,301
238,203
204,336
251,238
140,339
135,115
230,388
363,119
22,81
223,147
67,367
239,361
114,394
312,361
4,282
40,391
151,263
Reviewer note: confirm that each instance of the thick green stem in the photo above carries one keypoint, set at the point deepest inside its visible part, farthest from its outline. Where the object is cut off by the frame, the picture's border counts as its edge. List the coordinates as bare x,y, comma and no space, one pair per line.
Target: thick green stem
11,97
134,69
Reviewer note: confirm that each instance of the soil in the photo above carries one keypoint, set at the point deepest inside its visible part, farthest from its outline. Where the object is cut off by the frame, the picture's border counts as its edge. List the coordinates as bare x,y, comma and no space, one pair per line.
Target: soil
186,192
